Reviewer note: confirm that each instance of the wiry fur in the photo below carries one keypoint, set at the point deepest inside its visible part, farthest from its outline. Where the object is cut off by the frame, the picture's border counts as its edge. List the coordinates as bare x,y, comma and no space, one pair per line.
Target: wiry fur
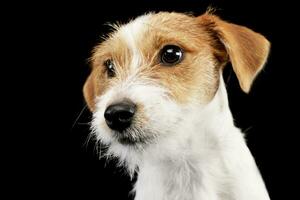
184,144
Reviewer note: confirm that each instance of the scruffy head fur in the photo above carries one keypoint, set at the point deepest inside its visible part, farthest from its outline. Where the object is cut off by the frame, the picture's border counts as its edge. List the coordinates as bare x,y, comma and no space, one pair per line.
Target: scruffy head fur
182,139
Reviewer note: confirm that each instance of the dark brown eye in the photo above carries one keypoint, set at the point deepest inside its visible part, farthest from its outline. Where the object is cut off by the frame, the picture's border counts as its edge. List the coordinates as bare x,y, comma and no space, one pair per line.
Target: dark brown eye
171,55
110,68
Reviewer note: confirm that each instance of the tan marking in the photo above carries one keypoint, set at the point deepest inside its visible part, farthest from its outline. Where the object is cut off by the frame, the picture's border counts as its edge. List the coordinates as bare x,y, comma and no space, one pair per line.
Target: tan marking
247,49
208,44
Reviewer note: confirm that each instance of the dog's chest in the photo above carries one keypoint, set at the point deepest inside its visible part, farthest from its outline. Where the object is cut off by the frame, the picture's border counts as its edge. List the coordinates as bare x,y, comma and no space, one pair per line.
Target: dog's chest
184,181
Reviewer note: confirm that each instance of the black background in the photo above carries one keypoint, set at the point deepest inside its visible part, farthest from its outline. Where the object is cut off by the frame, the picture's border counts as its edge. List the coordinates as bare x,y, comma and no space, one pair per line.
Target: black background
47,153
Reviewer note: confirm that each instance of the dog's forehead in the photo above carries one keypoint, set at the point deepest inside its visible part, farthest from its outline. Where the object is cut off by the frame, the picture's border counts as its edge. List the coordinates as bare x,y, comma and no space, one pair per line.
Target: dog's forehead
146,33
161,22
132,32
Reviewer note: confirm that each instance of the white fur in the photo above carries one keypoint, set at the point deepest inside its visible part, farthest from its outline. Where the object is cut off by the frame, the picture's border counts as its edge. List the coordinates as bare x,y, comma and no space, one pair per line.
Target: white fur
205,157
195,151
207,160
131,34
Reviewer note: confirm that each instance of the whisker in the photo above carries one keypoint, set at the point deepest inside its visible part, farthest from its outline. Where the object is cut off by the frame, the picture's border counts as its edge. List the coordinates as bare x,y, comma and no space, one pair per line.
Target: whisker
88,139
79,115
82,123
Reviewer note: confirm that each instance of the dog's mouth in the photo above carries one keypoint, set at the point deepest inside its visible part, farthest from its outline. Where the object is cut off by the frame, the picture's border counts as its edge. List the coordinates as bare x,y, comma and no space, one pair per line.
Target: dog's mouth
133,136
130,141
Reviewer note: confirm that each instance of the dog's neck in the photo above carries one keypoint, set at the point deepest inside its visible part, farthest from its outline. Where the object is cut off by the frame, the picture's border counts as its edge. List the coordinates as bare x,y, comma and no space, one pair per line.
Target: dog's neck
181,168
214,163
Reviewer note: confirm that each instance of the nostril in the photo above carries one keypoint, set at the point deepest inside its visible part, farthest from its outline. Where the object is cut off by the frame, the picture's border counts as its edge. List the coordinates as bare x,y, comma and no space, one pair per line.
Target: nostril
125,116
108,114
119,116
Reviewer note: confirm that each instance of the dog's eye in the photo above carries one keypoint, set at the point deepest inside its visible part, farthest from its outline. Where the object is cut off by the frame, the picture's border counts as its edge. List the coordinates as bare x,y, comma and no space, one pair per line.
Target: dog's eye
110,68
171,55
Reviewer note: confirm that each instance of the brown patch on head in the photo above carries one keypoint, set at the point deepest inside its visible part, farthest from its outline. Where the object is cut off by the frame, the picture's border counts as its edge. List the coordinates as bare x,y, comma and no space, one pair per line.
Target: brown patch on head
196,76
113,48
98,81
207,42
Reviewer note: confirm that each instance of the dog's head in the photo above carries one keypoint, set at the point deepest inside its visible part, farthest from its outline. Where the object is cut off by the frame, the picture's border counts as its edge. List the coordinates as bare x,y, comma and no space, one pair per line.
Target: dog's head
152,78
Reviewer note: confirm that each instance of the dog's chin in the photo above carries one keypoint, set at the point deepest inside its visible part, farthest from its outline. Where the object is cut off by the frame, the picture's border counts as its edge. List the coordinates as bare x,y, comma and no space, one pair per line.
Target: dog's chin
133,137
129,141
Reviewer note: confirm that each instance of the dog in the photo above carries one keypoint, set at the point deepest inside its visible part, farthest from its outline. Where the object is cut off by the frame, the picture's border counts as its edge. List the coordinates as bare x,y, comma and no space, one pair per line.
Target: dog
160,105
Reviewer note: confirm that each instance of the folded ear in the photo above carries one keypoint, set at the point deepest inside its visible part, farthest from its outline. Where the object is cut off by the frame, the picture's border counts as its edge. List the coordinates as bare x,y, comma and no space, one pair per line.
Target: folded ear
247,50
89,92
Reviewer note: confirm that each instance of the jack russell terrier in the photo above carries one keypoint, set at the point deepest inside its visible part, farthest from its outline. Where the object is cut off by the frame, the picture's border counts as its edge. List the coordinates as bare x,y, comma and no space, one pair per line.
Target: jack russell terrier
160,105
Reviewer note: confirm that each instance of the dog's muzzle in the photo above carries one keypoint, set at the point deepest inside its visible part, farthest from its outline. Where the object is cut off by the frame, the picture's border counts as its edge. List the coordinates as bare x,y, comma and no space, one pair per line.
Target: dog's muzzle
122,119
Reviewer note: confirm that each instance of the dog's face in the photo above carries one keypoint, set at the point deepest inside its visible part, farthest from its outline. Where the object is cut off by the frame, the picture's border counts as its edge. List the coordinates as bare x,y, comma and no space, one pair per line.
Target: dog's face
156,74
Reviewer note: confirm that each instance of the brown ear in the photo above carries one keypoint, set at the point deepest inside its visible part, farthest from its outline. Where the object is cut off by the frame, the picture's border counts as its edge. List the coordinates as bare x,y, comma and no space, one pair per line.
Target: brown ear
247,50
89,92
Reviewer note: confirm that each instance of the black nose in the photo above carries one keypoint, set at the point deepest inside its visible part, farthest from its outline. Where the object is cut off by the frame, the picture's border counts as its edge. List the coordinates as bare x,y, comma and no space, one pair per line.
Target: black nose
119,116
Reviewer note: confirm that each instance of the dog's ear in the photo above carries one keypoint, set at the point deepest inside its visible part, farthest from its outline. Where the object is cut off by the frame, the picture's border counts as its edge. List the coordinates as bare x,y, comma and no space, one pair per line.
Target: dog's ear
247,50
89,92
